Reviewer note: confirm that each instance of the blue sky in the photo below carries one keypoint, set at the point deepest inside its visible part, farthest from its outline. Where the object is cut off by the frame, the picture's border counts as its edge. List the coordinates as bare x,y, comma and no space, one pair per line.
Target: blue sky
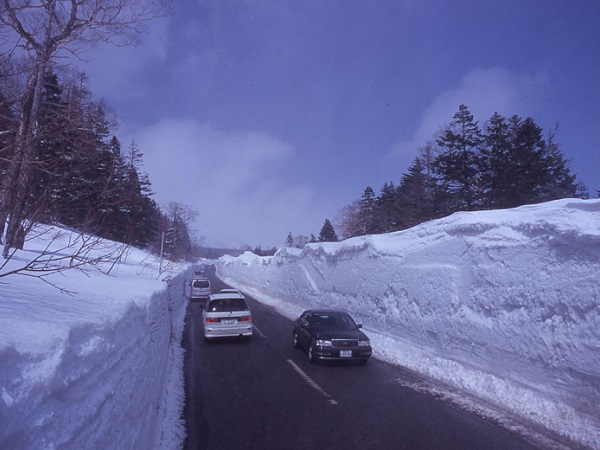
269,116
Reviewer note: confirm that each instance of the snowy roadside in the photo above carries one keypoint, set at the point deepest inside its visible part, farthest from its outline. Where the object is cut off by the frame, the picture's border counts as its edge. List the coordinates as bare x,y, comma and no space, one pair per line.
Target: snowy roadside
101,368
500,308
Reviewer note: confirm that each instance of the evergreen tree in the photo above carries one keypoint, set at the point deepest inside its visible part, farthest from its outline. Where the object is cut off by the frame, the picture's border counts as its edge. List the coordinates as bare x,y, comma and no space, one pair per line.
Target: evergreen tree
81,179
506,164
51,149
327,233
289,242
561,183
457,166
496,163
385,213
136,206
528,173
415,196
367,211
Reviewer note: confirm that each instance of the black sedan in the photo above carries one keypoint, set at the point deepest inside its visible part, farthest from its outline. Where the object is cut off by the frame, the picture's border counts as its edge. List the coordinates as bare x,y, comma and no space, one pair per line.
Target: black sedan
331,335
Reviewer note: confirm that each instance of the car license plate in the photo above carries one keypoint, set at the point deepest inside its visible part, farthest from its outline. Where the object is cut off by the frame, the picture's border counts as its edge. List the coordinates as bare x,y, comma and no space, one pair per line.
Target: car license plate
228,321
346,353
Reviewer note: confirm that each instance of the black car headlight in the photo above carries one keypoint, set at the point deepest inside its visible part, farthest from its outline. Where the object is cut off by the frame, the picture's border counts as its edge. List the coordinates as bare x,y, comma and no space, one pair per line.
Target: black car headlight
364,343
324,343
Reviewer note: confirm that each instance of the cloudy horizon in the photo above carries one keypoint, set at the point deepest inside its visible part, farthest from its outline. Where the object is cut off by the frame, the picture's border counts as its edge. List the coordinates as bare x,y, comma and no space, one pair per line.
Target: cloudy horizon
268,117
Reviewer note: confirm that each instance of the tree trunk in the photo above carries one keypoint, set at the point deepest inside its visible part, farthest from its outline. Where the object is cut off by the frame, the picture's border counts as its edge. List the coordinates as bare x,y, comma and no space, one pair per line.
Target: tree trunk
17,181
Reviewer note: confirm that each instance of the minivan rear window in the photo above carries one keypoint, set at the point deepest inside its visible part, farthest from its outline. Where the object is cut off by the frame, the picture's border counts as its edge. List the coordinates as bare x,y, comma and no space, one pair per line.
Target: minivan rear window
201,284
228,304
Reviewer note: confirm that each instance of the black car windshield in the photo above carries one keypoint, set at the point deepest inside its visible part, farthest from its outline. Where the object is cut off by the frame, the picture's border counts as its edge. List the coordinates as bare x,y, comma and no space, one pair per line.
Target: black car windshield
341,322
227,304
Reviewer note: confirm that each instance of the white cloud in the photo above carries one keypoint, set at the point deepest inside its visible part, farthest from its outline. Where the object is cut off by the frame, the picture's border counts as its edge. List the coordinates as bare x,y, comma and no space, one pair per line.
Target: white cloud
484,91
115,70
233,179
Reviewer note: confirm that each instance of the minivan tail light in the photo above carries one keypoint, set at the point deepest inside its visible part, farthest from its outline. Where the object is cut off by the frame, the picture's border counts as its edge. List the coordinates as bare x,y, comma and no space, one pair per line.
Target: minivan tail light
244,319
212,320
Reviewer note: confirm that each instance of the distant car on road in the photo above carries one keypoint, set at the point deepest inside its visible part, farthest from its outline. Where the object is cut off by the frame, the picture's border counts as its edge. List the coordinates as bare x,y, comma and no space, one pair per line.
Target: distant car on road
331,335
200,289
231,291
226,315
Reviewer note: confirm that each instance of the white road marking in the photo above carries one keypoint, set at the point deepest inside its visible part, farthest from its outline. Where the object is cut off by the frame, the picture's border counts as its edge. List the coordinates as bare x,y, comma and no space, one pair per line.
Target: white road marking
311,383
258,331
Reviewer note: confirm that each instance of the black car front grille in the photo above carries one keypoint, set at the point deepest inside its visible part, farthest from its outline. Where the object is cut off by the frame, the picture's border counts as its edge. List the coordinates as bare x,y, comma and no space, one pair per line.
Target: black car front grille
344,343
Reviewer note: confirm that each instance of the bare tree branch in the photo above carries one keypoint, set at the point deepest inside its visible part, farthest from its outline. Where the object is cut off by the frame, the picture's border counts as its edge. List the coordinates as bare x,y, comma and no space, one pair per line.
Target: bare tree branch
42,28
63,251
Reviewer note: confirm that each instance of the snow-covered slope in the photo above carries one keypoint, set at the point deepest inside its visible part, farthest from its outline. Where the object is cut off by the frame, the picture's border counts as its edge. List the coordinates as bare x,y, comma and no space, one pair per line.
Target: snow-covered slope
101,368
499,306
503,305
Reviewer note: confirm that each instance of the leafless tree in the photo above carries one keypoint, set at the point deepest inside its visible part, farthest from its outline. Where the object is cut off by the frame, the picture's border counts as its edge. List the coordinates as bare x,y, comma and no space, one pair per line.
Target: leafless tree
348,220
179,241
64,250
43,28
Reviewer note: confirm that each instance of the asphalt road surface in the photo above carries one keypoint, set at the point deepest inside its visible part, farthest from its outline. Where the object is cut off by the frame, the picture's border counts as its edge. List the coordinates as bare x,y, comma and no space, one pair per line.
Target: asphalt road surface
264,394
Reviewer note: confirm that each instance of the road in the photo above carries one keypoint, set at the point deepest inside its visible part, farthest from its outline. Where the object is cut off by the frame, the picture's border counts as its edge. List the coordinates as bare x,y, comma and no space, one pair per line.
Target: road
264,394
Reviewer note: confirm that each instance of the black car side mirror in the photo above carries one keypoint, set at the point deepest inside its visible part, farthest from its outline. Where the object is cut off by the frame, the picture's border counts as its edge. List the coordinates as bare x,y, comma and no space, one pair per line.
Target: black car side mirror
359,325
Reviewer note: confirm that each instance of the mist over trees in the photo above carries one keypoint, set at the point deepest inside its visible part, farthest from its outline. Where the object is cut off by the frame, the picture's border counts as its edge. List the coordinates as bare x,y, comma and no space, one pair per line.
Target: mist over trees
505,163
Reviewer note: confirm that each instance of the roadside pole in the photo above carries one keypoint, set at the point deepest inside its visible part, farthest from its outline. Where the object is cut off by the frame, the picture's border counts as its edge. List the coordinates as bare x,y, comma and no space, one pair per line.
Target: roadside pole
162,244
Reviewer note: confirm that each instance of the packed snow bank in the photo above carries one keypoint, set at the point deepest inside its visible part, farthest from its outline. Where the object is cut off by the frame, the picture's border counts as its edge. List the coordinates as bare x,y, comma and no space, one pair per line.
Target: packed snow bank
501,305
101,368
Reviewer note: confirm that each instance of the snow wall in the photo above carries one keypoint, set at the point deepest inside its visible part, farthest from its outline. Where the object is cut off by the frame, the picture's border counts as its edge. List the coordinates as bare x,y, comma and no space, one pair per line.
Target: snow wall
501,305
109,386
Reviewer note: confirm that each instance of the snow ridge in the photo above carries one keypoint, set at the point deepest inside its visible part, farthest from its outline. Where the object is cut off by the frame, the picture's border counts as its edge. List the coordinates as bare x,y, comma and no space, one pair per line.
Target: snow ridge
102,368
501,305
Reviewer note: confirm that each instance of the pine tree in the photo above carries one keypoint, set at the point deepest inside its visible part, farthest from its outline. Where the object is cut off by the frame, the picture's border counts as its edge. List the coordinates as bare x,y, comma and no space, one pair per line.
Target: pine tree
457,166
414,196
327,233
367,211
51,150
289,242
561,183
385,216
526,167
42,30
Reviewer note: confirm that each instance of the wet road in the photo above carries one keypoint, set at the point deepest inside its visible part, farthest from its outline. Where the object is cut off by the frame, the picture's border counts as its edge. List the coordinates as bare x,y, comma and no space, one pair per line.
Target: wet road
264,394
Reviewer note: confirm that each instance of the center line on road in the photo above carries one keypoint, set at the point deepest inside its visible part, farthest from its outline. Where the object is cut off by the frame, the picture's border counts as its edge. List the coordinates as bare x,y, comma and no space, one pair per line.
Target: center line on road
311,383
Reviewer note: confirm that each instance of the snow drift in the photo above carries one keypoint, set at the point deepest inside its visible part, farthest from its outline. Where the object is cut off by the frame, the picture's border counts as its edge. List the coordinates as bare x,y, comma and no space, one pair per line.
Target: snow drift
101,368
502,306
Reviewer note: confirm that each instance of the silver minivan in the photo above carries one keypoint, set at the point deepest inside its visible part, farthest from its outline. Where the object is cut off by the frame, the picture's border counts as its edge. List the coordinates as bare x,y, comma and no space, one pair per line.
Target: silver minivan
200,289
226,315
